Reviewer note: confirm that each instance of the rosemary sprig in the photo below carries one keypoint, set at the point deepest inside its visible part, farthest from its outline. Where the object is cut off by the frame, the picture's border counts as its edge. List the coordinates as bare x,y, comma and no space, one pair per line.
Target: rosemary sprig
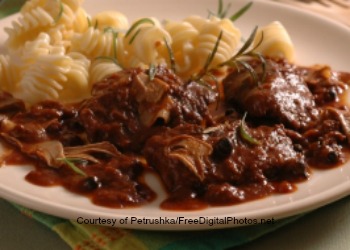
70,163
205,71
171,55
60,12
216,81
241,11
135,25
263,66
244,48
245,134
88,19
115,36
250,70
152,71
223,10
210,58
244,52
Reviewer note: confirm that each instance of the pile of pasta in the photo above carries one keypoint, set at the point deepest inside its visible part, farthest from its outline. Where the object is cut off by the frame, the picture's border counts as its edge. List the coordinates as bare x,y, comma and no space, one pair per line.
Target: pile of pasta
57,51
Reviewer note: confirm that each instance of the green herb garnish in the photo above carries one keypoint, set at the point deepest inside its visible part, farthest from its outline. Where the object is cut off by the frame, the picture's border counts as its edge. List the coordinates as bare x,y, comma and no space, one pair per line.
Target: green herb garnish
135,25
241,11
152,72
70,163
245,134
60,13
245,52
210,58
216,81
89,21
262,59
96,25
244,48
171,55
223,10
115,36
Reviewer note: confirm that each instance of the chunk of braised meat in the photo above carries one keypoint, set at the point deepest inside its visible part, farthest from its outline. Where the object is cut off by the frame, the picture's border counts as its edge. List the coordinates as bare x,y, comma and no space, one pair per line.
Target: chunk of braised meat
326,85
189,157
47,120
128,107
326,141
113,179
282,97
110,178
9,105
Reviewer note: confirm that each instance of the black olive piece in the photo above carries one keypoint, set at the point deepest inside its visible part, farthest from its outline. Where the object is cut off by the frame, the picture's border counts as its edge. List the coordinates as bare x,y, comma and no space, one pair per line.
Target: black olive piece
222,148
76,125
332,94
298,148
333,157
159,122
91,183
229,111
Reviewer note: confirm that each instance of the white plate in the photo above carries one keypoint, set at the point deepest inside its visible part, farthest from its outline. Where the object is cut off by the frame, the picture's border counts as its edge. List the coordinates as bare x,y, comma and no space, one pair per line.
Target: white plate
317,40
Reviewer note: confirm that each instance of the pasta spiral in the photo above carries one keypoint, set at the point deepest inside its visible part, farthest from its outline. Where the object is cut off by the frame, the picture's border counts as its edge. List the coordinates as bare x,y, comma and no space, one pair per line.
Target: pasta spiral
110,19
207,38
145,45
28,27
182,34
101,68
40,16
276,42
196,21
56,51
94,43
55,77
81,22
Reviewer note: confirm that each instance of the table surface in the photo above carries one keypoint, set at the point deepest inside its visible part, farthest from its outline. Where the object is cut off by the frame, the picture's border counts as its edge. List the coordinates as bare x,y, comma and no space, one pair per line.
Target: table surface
325,228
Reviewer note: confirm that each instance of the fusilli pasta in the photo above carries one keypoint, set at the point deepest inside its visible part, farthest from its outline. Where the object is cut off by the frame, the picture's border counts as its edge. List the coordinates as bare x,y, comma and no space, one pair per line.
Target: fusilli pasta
146,44
55,77
110,19
182,34
40,16
207,38
102,68
94,43
56,51
274,42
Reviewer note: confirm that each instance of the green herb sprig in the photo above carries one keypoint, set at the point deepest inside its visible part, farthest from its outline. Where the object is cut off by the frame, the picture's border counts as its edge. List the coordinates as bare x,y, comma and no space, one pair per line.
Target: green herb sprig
245,52
223,10
113,59
171,55
60,12
115,36
210,58
70,163
89,22
135,26
152,71
241,12
245,134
